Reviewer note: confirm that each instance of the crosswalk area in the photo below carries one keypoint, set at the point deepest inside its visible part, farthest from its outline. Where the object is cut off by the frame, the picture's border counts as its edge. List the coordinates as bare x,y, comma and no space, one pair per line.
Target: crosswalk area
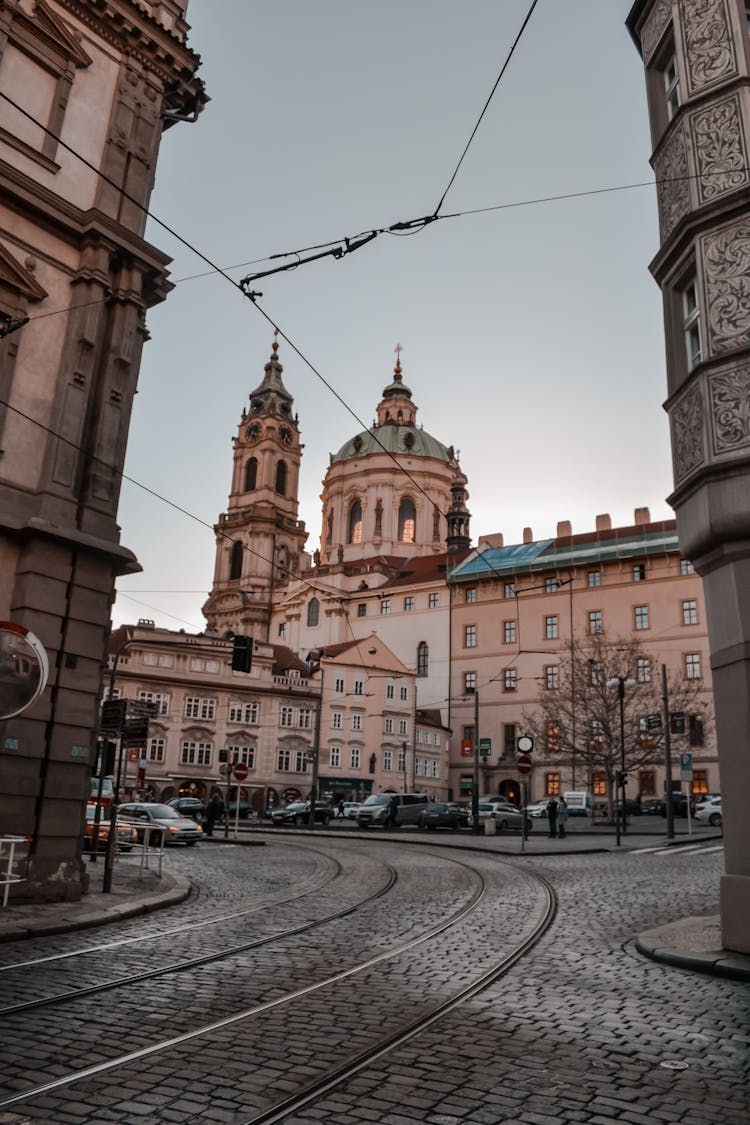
679,849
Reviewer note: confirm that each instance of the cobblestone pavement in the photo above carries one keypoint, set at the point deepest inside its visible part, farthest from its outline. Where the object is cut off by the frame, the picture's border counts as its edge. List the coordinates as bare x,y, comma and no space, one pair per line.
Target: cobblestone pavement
577,1032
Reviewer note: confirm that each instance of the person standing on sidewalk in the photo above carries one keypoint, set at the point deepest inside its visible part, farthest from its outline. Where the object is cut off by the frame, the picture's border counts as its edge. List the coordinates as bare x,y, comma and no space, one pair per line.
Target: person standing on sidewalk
552,814
562,816
214,812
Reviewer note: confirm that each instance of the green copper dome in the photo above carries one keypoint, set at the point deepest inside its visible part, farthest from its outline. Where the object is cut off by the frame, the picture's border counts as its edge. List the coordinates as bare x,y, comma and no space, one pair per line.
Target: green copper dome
404,441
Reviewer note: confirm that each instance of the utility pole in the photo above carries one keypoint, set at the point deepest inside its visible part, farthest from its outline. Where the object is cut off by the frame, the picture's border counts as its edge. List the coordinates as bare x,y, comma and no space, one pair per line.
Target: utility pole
475,785
667,753
316,753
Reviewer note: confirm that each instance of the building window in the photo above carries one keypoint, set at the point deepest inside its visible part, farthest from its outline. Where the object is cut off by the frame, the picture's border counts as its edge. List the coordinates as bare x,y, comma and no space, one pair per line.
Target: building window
595,621
700,781
509,738
390,691
313,613
597,732
470,683
596,673
286,717
334,757
693,666
235,562
354,529
470,636
433,601
552,732
337,720
552,784
509,679
251,474
599,784
647,783
387,761
153,660
305,718
552,676
197,708
594,578
385,607
282,629
362,609
690,613
691,322
471,595
407,519
408,604
283,760
423,656
401,760
686,567
281,478
244,712
509,632
403,727
158,697
359,687
509,590
338,685
550,585
639,572
356,722
355,757
404,694
468,734
156,747
671,87
550,628
244,754
640,616
643,670
695,730
388,725
195,753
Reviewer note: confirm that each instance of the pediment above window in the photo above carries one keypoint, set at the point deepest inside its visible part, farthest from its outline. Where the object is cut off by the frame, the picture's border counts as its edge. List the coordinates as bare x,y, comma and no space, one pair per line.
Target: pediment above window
17,284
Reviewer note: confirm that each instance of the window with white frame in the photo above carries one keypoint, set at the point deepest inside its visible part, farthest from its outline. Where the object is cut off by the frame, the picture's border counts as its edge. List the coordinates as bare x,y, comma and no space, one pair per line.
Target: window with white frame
597,731
433,601
158,697
387,761
200,664
195,753
690,612
403,727
551,627
594,578
408,604
157,659
639,572
244,713
401,760
337,720
509,632
156,748
356,722
596,624
509,679
404,693
359,687
470,636
334,757
671,87
551,676
388,725
300,761
286,717
355,757
509,589
640,616
643,670
338,685
282,629
691,322
390,691
196,707
471,595
686,567
596,673
305,718
550,585
283,759
693,665
243,754
385,607
470,682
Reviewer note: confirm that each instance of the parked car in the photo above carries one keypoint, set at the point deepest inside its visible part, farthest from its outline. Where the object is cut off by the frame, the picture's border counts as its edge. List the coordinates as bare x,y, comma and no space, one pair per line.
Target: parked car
539,808
438,815
179,829
351,808
504,814
245,810
191,807
376,809
126,834
710,811
298,812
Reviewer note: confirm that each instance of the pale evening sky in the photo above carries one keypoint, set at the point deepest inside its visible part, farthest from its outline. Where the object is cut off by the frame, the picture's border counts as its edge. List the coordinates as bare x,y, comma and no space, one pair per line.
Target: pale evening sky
532,334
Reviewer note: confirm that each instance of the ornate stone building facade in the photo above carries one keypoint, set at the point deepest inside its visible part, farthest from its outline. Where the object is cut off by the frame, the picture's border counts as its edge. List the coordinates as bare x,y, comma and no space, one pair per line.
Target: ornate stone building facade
86,91
697,65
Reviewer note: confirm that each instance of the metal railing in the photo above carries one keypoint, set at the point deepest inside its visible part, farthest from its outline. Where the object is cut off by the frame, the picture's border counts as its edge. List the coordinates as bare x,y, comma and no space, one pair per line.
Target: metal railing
8,860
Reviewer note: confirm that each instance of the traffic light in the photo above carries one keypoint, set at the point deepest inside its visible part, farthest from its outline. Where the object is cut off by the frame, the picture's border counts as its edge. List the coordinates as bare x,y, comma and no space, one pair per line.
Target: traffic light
622,779
242,654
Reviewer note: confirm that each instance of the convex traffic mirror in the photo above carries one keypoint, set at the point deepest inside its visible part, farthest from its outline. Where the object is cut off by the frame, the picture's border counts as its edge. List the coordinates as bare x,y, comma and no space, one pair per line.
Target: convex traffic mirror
24,669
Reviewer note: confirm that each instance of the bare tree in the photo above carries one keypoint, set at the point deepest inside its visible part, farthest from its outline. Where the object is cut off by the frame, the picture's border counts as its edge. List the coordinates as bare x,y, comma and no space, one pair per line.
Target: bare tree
581,716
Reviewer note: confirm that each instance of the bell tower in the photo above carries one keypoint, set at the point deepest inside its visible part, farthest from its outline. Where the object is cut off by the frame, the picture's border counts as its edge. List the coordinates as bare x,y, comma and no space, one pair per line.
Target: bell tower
259,540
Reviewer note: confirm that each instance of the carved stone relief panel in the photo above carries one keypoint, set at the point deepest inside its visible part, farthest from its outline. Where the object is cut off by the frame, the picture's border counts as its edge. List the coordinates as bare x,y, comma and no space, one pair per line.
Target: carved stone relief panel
709,48
673,185
654,27
730,409
726,264
686,424
719,147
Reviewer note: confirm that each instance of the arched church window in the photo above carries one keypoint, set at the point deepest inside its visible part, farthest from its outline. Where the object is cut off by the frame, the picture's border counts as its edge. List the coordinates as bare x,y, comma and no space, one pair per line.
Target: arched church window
423,656
407,519
235,562
251,474
281,478
355,523
313,613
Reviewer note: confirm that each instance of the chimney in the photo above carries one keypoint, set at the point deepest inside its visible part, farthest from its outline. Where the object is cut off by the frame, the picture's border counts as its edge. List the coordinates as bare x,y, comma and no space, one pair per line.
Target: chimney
494,540
528,535
564,528
641,516
604,522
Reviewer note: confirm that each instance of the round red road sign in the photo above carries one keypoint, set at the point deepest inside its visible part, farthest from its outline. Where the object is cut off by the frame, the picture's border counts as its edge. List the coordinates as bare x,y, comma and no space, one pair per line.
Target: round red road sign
241,771
523,763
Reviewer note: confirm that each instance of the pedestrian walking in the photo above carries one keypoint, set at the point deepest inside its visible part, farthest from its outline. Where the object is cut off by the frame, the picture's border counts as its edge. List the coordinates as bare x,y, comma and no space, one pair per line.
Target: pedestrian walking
552,815
562,816
340,809
214,812
392,813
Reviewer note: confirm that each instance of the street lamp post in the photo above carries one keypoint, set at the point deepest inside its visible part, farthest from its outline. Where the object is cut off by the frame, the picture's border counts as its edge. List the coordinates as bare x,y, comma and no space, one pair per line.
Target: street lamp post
475,782
621,682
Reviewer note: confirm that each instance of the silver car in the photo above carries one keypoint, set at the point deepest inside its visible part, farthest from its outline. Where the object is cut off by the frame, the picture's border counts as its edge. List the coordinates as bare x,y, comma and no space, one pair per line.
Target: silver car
504,814
178,829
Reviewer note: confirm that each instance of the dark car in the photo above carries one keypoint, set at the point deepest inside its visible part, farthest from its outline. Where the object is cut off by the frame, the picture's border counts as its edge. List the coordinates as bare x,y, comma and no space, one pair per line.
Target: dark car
299,813
188,806
438,815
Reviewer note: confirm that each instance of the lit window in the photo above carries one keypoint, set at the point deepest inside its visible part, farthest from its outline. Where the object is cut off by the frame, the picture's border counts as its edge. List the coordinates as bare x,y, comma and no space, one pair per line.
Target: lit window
599,784
470,682
552,784
355,523
433,601
552,732
595,621
407,519
692,325
550,628
690,613
640,616
647,783
686,567
643,670
693,666
594,578
700,781
509,632
471,595
470,636
408,605
551,676
671,87
385,607
509,679
639,572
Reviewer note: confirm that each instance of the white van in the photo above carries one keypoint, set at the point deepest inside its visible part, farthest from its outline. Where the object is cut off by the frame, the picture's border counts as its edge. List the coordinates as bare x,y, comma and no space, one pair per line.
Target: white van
376,809
579,802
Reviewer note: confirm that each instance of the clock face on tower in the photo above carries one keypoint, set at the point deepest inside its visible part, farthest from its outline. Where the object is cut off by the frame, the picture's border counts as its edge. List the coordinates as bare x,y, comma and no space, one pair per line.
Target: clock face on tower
253,431
286,435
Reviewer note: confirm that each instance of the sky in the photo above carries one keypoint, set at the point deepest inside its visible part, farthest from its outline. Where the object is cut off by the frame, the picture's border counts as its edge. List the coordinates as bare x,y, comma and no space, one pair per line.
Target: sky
532,332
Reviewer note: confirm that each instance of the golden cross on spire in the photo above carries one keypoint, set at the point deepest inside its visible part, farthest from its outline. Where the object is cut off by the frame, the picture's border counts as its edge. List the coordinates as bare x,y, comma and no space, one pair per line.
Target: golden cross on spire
398,349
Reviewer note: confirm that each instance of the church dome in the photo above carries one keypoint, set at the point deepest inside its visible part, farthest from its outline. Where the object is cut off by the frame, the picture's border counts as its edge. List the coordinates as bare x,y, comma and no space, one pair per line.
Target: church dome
398,440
